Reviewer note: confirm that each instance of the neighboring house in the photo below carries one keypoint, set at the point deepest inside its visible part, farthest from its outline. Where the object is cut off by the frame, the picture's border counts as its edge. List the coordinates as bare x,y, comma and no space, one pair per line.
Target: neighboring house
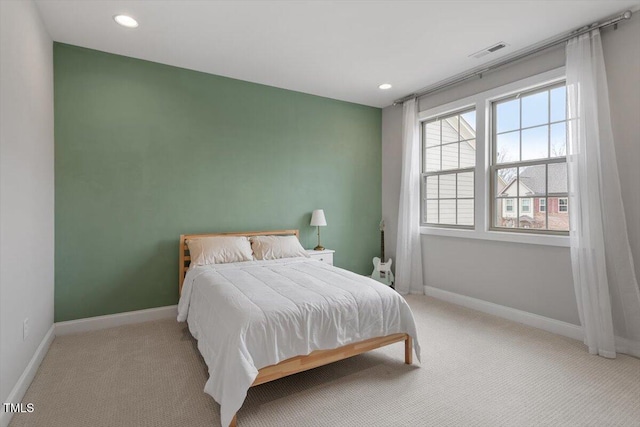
450,148
528,199
453,143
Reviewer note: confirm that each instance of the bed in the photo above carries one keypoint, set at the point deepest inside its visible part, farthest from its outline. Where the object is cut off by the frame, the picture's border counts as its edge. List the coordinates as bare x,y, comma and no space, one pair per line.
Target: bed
260,320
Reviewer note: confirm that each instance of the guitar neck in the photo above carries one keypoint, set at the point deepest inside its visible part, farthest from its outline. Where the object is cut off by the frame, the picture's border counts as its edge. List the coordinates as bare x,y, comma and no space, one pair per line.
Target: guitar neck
382,245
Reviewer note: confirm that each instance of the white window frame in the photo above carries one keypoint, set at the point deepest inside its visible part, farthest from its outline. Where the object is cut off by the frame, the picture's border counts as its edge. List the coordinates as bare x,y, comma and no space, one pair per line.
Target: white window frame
482,104
542,204
566,205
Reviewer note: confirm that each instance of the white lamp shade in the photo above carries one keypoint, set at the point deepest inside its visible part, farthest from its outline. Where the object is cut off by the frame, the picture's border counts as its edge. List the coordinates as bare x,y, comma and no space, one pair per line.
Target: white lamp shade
318,219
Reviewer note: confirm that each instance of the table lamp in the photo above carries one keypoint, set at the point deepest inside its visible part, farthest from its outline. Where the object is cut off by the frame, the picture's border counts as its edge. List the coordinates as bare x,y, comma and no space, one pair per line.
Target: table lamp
318,220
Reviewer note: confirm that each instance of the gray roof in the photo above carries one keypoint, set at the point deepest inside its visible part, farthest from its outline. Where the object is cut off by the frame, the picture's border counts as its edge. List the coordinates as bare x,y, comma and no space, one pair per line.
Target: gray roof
533,177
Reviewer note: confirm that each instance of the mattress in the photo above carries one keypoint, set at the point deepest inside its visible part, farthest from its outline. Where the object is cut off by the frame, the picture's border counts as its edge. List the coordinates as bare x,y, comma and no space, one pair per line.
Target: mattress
253,314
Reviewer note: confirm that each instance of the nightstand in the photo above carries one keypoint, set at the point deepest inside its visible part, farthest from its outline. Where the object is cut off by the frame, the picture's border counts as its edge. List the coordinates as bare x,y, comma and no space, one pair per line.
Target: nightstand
325,255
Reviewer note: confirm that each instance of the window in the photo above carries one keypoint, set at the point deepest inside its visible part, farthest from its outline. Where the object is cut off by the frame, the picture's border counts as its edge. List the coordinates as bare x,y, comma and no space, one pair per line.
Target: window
493,164
509,205
528,146
448,168
563,204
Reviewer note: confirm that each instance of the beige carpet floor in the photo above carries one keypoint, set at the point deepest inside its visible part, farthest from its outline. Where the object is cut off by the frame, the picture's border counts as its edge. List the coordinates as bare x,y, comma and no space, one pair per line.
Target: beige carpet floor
476,370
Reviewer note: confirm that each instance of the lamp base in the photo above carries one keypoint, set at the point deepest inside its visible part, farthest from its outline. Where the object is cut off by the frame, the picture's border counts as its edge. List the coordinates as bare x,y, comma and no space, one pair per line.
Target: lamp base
319,248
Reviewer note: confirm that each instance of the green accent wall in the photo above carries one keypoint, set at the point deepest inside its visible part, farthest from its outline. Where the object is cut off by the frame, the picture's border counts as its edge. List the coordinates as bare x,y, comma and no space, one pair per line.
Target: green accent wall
145,152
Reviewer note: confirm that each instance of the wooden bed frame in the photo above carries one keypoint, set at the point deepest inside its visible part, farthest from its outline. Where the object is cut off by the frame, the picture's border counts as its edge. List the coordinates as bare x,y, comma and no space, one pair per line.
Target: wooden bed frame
299,363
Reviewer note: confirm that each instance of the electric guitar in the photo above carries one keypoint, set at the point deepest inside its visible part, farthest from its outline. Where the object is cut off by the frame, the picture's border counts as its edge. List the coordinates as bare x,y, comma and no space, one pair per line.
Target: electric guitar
381,269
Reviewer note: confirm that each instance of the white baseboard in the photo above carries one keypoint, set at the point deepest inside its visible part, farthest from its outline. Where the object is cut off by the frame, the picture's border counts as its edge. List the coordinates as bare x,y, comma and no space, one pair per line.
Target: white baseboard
623,345
112,320
25,379
524,317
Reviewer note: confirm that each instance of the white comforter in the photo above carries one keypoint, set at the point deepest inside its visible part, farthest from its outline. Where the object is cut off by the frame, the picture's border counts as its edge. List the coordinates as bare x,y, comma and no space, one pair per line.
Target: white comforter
253,314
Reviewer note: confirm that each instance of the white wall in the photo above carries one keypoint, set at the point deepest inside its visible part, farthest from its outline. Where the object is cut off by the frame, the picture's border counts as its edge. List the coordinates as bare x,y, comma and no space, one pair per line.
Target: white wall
391,175
535,278
26,187
622,56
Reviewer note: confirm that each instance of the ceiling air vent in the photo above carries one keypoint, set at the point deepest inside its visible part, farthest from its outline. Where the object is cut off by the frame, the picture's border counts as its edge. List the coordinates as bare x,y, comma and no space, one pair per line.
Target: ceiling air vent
491,49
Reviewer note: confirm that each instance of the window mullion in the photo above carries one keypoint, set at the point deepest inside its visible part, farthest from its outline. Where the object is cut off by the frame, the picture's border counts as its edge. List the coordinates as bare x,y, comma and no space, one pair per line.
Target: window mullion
481,167
546,195
531,163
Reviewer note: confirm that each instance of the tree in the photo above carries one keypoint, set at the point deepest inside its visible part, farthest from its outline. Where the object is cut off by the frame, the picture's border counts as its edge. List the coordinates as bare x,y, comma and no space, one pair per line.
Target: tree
558,150
507,174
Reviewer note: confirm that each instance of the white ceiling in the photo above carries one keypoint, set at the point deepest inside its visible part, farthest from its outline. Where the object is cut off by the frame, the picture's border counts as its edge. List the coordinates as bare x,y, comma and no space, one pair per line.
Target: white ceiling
340,50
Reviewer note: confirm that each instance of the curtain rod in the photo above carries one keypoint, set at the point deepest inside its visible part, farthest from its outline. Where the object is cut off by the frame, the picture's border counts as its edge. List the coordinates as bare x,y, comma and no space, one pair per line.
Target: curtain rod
523,53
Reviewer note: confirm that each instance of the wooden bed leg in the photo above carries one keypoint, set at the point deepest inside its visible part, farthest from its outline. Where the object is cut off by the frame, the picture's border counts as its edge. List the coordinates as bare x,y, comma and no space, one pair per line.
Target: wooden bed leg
408,350
234,421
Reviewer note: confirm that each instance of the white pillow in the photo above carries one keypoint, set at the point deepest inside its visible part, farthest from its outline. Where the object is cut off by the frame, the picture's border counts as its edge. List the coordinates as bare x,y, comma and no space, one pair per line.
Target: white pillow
219,250
276,247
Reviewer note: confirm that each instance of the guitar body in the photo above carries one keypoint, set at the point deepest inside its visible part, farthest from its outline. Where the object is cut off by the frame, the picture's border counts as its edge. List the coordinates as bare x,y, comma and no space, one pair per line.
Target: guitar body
382,271
381,268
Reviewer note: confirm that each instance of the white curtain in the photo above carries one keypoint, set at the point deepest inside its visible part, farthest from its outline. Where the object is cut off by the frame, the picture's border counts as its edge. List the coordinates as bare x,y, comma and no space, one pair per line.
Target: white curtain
603,273
408,249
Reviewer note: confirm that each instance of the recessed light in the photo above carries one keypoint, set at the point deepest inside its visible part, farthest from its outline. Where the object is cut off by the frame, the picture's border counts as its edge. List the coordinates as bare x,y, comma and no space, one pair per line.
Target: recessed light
126,21
385,86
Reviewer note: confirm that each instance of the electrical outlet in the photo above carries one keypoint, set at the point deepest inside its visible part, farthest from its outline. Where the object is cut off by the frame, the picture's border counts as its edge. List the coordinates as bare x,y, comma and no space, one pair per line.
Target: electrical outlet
25,329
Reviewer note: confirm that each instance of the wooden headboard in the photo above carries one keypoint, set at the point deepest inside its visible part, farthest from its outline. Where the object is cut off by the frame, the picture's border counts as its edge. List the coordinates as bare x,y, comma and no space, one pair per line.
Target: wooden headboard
185,258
